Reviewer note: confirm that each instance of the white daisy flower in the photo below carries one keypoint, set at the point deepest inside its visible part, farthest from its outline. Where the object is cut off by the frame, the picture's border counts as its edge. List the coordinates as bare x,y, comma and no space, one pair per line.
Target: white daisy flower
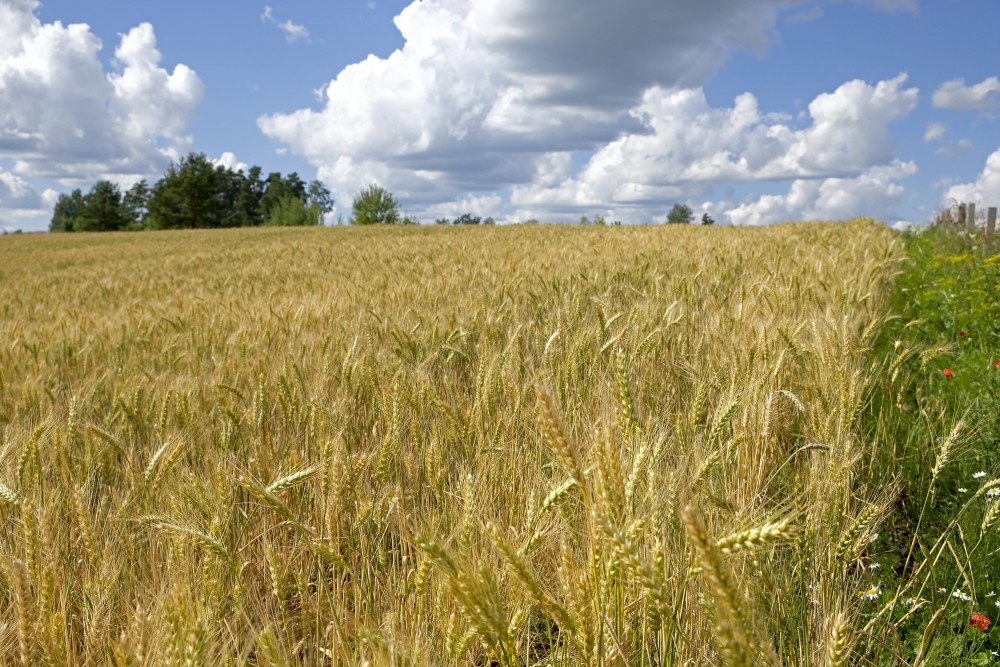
871,594
977,475
961,596
874,566
962,489
994,492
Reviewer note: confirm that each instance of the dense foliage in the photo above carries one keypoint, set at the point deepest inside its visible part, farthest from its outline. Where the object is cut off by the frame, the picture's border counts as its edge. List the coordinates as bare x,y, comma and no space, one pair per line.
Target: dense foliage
680,214
375,206
195,193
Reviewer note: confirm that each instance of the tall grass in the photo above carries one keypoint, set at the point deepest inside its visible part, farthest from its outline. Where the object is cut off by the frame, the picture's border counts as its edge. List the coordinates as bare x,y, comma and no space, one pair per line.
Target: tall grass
937,411
546,445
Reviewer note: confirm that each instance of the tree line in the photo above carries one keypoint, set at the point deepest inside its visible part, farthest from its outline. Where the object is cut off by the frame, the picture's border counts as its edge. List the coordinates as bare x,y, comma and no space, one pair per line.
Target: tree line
683,215
195,193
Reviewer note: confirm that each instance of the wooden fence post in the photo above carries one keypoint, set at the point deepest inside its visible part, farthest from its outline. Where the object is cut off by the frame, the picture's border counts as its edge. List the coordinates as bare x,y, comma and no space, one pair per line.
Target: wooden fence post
970,217
991,222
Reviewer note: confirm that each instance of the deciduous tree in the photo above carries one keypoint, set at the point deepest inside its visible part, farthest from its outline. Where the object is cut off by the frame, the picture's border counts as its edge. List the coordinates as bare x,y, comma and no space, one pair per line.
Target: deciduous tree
680,214
375,206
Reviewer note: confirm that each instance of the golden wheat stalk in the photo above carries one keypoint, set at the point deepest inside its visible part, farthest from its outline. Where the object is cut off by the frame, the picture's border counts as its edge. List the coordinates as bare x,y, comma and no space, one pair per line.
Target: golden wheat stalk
8,495
293,479
555,435
22,600
839,641
946,450
741,641
755,538
527,577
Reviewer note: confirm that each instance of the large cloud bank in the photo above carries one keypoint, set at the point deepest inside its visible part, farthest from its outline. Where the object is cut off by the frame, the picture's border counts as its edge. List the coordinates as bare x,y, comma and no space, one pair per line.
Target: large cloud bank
984,190
535,109
63,117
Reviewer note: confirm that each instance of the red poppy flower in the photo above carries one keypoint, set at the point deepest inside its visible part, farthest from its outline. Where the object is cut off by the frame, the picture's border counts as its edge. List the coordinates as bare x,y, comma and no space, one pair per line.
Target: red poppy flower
962,333
979,622
948,373
996,363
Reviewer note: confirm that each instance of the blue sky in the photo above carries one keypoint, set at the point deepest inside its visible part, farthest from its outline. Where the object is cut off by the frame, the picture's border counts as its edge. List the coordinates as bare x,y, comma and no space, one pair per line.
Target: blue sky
755,111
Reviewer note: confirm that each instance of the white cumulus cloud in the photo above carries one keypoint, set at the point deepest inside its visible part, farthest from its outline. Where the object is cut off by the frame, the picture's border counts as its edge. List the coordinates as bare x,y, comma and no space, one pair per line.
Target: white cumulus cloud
934,132
686,144
483,206
293,31
984,191
21,202
17,193
560,110
230,161
147,100
874,193
954,94
62,116
482,88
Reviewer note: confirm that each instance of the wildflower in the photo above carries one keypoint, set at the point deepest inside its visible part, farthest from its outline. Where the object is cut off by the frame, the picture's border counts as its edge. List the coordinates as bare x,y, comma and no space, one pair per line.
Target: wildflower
979,622
996,363
962,334
874,566
948,373
871,594
991,594
873,538
977,475
994,492
942,590
910,601
997,603
962,489
965,597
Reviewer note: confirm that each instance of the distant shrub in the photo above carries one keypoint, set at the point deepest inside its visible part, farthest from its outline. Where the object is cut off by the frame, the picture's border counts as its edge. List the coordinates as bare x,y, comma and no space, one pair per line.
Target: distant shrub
292,211
467,219
680,214
375,206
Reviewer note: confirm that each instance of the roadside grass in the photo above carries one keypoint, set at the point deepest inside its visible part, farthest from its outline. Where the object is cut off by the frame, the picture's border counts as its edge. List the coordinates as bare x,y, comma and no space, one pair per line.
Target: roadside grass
938,565
536,446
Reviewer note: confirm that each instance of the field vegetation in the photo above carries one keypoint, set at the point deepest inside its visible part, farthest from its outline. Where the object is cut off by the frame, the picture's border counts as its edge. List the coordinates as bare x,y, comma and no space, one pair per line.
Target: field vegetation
483,445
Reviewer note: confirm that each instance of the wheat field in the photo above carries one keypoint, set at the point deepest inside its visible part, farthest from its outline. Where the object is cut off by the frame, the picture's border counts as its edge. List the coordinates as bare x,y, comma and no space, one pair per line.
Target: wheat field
543,445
